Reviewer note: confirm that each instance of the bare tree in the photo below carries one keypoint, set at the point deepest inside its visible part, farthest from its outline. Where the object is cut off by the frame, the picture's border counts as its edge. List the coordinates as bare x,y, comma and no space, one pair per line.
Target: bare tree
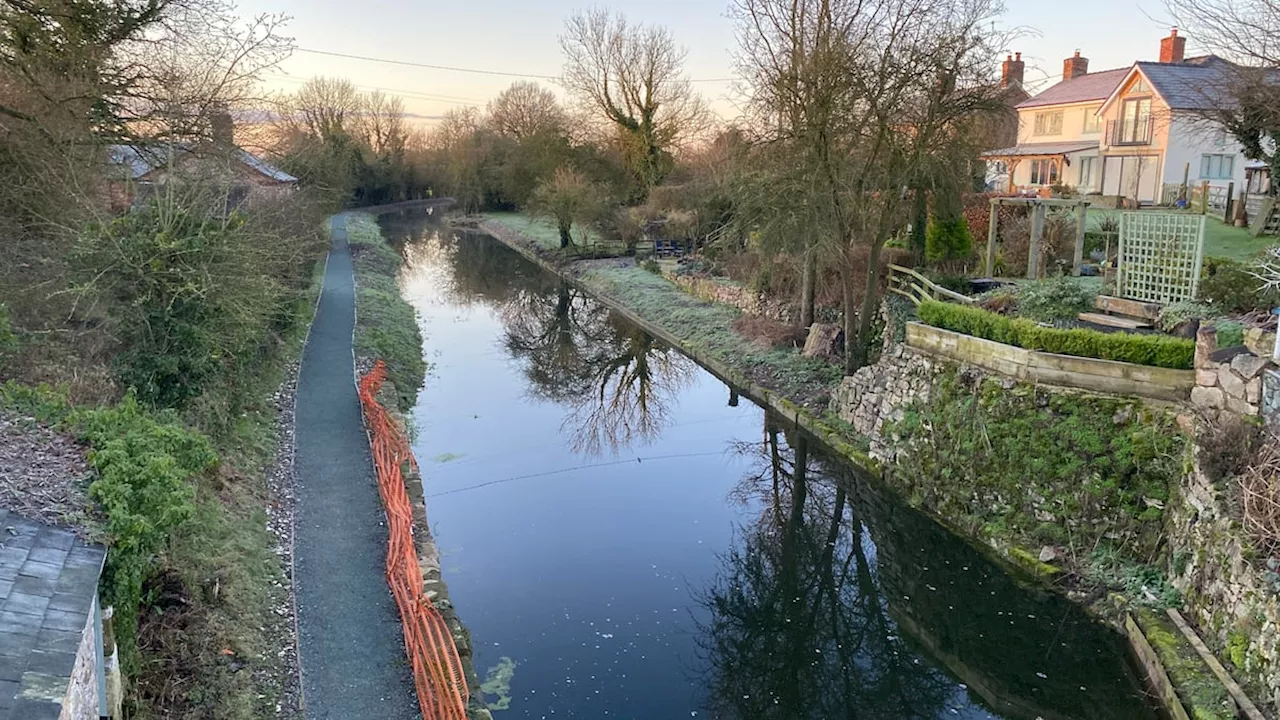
526,109
868,96
569,198
381,124
1245,98
630,75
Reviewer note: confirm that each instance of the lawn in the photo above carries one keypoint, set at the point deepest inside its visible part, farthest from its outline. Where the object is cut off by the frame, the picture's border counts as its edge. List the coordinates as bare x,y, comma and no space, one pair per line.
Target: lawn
1220,239
541,230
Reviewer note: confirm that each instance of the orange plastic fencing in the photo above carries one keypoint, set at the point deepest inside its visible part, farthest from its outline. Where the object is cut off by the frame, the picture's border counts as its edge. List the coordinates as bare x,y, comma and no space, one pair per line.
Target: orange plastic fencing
437,672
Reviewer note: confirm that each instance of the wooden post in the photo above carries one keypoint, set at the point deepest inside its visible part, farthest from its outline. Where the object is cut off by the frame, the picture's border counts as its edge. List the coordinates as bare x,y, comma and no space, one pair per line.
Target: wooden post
1082,217
993,228
1227,215
1186,178
1204,197
1037,233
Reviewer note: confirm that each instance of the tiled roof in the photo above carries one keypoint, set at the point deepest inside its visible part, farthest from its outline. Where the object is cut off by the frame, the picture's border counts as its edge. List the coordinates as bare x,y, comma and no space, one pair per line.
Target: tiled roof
48,582
1091,86
1197,84
1054,148
140,160
265,167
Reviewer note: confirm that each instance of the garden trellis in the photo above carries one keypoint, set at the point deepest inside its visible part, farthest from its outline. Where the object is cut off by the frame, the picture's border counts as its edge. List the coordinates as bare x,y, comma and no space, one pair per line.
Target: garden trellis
1160,256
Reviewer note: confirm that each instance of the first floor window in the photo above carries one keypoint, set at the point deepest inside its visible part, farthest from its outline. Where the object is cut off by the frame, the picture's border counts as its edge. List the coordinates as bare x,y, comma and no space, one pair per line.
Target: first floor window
1217,167
1087,165
1044,172
1048,123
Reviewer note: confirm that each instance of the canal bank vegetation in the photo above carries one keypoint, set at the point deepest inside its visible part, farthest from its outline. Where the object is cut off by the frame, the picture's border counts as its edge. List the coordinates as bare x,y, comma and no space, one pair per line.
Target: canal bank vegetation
386,326
157,322
1084,480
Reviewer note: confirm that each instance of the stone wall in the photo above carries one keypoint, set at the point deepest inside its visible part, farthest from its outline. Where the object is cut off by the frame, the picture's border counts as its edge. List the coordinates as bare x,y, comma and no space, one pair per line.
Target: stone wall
1227,380
730,293
81,700
879,393
1225,593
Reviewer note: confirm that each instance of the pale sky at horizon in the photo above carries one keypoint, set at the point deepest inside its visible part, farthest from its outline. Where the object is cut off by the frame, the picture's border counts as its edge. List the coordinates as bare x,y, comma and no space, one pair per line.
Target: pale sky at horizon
522,37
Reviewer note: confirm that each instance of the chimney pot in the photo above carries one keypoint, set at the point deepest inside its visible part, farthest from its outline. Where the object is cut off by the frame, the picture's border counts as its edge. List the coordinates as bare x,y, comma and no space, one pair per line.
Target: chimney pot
1017,56
1173,48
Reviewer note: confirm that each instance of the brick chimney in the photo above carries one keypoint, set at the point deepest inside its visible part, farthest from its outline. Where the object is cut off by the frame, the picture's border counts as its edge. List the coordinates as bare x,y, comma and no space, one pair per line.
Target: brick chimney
222,127
1173,48
1011,71
1074,66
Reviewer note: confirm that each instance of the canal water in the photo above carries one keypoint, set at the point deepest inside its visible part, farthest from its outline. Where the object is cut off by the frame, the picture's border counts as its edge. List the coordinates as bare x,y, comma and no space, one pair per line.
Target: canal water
625,537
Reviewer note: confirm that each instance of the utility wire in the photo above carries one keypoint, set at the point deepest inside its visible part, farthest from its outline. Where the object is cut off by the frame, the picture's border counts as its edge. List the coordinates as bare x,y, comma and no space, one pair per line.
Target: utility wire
409,94
573,469
462,69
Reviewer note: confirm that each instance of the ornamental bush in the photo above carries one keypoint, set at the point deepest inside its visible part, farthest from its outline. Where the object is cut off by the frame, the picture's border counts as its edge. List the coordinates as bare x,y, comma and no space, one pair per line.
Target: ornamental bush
1153,350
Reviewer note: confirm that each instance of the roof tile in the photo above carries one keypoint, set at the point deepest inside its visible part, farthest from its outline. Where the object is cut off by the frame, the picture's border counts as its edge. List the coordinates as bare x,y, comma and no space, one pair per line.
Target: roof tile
1091,86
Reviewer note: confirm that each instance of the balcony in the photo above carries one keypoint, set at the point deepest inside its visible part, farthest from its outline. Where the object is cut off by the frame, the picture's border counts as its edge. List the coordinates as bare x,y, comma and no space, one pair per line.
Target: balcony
1130,132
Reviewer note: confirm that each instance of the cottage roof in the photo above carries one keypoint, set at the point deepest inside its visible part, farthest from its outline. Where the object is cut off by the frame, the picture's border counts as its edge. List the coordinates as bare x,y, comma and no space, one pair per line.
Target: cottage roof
48,585
138,160
1083,88
1199,83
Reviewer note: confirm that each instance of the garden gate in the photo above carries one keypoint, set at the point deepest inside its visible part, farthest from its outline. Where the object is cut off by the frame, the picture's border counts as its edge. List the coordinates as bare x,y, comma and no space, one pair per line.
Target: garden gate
1160,256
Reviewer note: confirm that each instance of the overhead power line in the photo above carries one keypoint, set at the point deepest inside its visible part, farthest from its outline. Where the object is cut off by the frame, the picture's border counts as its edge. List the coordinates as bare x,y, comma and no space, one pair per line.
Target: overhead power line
451,68
407,94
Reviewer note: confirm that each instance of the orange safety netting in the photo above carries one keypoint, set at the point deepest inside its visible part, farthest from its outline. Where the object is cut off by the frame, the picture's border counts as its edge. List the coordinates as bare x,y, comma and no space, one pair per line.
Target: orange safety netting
437,672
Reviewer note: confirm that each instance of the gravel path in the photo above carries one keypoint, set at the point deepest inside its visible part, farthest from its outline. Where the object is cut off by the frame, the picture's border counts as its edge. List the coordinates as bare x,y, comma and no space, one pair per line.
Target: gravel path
352,647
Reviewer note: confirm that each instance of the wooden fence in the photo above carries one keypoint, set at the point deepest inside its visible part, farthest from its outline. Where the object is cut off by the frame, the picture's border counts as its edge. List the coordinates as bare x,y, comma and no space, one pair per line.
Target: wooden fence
917,288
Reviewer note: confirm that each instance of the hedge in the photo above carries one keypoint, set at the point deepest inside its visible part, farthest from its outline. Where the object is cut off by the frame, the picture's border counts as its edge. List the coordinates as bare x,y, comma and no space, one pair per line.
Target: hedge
1154,350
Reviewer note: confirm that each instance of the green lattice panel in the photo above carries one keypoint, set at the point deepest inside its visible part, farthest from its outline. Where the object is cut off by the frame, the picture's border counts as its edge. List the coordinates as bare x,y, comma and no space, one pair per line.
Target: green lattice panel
1160,256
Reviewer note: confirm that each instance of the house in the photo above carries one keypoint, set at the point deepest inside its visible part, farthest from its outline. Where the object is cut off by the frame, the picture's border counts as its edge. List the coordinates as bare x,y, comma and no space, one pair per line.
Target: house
1127,132
52,665
136,170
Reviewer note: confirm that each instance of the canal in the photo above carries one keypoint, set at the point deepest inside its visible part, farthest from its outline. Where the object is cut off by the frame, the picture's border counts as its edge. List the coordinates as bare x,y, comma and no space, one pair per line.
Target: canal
626,538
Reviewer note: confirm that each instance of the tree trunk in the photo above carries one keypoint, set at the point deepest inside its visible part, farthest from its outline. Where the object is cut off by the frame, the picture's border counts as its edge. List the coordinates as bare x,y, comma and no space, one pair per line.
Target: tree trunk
850,282
856,355
565,238
919,225
808,287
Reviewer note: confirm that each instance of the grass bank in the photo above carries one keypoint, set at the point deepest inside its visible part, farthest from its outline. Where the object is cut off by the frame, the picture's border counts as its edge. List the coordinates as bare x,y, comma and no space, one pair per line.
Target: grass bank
386,326
708,328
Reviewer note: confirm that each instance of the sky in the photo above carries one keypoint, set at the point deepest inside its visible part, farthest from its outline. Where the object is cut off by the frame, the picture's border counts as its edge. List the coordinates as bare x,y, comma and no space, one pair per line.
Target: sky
514,36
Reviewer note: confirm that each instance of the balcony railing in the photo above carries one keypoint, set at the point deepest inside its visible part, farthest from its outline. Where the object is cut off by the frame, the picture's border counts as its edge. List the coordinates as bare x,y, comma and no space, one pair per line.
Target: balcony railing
1129,132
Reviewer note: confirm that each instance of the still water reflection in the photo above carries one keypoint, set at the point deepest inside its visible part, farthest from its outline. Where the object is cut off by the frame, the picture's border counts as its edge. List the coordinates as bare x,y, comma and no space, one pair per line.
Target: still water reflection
640,545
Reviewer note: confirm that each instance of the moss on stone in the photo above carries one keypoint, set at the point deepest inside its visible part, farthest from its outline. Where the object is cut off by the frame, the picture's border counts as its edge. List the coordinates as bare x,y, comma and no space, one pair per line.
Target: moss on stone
1202,694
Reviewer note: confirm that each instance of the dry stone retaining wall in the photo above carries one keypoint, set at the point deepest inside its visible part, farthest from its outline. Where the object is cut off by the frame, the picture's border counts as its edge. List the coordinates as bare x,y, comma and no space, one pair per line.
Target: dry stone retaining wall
1229,380
1223,591
728,293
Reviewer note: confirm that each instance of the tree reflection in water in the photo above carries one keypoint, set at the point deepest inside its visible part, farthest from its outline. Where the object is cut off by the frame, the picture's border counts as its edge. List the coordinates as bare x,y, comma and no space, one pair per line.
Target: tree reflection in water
797,626
835,593
618,382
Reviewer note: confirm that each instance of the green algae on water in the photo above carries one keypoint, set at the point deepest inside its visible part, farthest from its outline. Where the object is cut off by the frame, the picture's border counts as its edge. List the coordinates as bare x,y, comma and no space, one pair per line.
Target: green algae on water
497,683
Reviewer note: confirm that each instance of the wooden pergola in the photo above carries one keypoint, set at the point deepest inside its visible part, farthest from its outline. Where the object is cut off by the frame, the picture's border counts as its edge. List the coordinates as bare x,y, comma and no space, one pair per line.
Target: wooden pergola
1039,208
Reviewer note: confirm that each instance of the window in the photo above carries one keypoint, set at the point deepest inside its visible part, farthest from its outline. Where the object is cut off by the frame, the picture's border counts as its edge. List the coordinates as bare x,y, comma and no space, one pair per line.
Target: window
1049,123
1086,171
1217,167
1092,123
1044,172
1139,86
